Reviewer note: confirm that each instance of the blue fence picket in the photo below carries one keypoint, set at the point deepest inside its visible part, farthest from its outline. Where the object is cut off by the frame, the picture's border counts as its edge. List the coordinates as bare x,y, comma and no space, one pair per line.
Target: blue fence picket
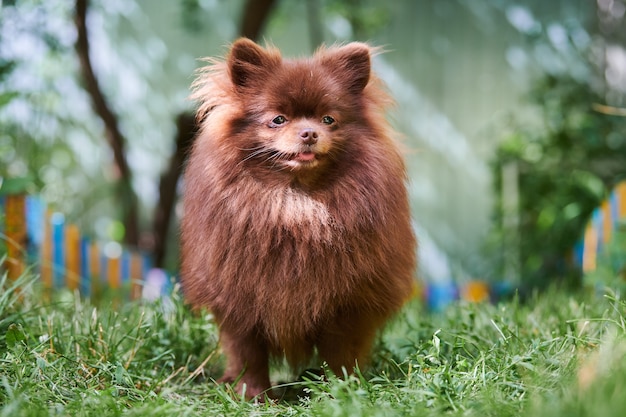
58,249
85,273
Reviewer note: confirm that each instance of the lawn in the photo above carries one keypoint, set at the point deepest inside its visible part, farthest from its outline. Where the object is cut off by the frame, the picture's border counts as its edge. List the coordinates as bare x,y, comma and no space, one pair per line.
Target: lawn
555,354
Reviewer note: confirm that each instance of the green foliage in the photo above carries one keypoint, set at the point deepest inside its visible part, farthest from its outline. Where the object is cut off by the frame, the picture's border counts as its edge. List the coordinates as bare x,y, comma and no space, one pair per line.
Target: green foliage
566,168
365,17
191,16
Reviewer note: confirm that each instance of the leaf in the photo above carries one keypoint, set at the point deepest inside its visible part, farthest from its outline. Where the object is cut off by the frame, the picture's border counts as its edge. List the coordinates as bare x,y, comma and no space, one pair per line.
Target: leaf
15,185
14,335
5,98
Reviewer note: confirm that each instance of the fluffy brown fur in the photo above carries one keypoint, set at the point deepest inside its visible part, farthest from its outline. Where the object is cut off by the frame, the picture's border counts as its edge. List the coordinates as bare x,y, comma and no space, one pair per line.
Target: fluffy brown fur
296,230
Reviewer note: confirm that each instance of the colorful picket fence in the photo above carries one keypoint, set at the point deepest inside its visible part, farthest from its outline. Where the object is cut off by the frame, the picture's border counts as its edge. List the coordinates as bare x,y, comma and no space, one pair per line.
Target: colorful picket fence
438,295
66,257
600,228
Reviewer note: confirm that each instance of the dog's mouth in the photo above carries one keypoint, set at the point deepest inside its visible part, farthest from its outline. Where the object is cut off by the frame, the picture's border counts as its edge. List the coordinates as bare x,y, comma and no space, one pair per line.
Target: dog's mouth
306,156
304,159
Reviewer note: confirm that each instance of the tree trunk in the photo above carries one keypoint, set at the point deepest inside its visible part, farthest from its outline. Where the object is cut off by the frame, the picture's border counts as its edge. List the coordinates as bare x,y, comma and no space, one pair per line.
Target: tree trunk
255,14
316,33
187,129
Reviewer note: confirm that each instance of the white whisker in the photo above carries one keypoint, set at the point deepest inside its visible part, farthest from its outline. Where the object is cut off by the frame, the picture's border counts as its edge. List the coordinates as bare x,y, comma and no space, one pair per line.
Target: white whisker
255,148
254,154
270,156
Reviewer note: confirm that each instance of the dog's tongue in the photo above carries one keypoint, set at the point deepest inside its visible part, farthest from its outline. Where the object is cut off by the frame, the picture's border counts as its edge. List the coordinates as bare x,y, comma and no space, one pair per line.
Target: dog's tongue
305,156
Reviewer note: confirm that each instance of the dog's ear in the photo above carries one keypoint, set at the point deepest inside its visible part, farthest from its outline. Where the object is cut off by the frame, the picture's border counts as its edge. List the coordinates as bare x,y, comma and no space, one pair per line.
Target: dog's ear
249,62
352,63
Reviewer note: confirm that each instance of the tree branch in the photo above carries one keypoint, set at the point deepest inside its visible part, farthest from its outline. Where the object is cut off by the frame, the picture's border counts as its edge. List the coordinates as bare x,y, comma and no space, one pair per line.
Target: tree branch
610,110
114,136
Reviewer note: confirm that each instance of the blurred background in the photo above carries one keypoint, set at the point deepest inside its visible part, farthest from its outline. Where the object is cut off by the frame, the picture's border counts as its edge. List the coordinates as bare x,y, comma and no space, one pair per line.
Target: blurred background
513,113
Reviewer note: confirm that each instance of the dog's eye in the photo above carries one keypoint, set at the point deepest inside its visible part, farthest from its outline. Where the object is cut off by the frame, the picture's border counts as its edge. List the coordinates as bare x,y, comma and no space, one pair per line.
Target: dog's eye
279,120
328,120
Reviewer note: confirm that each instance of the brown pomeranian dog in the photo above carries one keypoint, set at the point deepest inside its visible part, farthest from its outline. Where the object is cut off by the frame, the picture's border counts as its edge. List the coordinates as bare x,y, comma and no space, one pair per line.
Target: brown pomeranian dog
296,231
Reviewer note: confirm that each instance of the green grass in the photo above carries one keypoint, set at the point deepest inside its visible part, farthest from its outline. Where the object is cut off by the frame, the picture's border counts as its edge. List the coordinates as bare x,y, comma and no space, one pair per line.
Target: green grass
555,355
